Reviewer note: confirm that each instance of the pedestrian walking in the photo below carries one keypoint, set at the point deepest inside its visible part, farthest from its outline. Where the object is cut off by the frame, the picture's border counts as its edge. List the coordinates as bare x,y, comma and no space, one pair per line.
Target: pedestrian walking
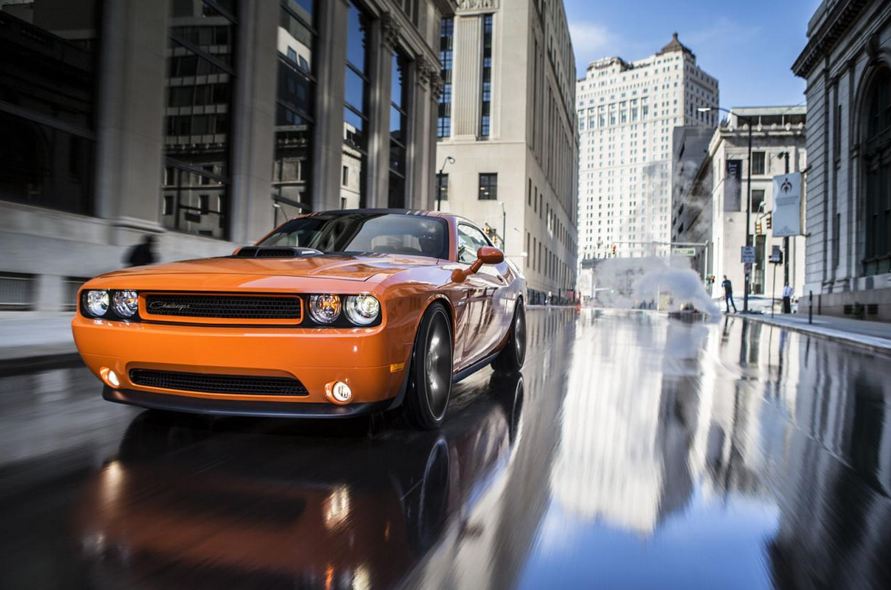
728,294
787,299
142,253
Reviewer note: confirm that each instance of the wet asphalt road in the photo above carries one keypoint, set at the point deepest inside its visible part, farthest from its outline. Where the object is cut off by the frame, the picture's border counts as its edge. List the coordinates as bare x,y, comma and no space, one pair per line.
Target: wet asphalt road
634,451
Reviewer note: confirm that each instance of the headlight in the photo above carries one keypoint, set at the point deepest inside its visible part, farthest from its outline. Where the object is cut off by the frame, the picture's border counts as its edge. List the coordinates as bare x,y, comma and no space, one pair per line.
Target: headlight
362,310
125,303
324,309
97,303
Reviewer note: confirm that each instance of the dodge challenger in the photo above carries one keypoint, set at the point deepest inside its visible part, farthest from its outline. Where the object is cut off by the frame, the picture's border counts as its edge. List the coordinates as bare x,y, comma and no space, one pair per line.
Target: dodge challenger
333,314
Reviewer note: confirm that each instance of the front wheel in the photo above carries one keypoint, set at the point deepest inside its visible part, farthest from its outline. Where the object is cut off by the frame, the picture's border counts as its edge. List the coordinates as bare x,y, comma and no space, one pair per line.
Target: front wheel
430,384
512,356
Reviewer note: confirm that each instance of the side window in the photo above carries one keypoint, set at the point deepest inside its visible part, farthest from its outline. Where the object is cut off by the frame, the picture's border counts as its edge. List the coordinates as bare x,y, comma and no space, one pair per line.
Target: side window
470,239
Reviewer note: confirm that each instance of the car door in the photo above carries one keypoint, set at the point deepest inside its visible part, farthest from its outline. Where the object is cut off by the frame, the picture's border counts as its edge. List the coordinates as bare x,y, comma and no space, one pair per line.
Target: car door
482,316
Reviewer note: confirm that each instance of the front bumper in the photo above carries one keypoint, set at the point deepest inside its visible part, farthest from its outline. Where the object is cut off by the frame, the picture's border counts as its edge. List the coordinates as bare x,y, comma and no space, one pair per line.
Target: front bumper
372,361
226,407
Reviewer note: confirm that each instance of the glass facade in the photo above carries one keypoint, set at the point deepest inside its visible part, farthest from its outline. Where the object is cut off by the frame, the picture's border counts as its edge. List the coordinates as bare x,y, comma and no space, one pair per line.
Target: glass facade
355,112
199,100
291,175
398,129
446,58
47,105
486,90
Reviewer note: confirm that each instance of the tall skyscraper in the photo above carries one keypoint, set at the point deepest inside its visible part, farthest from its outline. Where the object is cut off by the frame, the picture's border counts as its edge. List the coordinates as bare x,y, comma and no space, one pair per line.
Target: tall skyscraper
507,150
626,114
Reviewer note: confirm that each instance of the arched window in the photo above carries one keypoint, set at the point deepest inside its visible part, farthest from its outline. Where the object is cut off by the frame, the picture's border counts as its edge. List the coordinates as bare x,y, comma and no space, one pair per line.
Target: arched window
877,174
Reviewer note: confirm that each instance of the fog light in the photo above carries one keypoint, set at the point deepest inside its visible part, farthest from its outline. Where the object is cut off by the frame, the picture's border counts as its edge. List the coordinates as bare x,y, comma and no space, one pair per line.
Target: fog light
339,392
113,379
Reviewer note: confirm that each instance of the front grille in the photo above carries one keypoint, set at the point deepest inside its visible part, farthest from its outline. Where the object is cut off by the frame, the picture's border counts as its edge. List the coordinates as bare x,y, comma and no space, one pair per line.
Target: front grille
247,307
210,383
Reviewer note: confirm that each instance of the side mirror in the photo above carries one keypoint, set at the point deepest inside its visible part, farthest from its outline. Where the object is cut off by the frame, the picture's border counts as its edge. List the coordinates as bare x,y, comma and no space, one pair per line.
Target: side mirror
490,255
485,255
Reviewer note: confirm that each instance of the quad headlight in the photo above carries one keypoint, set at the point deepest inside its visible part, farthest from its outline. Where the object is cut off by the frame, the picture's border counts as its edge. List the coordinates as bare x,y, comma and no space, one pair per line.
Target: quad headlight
324,309
362,310
97,302
110,304
125,303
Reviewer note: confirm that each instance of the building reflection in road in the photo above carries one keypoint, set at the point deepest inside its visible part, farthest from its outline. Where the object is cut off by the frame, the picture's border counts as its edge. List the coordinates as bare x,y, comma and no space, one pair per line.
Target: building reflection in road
635,451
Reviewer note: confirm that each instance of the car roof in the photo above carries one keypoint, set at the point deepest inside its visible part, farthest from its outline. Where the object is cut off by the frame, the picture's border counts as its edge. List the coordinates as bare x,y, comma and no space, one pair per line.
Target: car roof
379,210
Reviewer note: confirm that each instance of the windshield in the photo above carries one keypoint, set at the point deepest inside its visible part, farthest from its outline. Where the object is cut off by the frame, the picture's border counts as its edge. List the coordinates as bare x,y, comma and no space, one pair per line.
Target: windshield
382,233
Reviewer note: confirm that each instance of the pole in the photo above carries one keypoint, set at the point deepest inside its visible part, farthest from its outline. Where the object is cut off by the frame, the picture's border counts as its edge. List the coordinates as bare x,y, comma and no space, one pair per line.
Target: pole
503,227
785,239
439,190
810,308
773,295
748,216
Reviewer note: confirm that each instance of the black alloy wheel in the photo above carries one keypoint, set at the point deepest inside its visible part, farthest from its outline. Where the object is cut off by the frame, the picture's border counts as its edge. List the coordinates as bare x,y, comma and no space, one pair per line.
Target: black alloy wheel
513,355
430,386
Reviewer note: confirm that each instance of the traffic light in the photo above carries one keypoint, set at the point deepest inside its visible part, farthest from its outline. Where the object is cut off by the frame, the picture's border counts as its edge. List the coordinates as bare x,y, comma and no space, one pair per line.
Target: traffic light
769,220
758,229
614,249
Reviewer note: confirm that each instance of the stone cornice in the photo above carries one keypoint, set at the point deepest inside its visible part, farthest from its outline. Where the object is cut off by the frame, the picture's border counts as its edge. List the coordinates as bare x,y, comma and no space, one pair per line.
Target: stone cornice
821,41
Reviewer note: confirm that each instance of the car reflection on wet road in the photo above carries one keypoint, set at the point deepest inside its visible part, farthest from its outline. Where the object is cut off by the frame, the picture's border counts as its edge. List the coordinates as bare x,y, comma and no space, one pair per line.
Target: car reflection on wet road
634,451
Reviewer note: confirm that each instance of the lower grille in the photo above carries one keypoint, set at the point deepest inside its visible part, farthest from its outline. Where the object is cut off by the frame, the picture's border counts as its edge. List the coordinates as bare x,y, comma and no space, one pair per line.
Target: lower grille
210,383
248,307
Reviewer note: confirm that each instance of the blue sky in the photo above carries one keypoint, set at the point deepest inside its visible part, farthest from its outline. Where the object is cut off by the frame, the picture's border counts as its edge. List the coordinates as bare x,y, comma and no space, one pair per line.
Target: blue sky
748,46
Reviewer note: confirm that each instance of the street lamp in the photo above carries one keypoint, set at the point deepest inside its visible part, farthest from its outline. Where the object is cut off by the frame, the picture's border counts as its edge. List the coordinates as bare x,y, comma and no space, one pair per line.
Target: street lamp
503,226
448,160
748,122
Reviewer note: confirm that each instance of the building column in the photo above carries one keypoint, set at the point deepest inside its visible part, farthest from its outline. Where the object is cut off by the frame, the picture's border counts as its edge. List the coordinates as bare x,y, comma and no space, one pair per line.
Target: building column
329,103
253,121
130,129
466,77
421,170
383,38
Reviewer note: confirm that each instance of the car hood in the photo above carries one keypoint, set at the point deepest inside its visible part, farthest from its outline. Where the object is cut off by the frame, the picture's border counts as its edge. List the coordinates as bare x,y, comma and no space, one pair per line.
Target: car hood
338,267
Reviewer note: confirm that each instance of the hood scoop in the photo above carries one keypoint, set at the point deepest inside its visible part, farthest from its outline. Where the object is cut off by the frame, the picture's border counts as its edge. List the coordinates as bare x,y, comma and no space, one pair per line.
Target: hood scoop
276,252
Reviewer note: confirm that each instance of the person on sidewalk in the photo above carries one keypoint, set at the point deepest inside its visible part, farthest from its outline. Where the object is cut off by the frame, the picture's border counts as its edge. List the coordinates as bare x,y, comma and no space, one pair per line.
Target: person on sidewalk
142,253
787,299
728,294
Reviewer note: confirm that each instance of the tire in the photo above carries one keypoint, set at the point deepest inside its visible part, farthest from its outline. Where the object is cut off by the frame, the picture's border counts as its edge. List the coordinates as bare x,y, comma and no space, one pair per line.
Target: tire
430,377
513,355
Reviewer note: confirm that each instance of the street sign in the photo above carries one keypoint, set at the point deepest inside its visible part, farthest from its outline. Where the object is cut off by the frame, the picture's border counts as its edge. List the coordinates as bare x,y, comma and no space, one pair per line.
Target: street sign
747,254
747,268
787,205
688,252
776,255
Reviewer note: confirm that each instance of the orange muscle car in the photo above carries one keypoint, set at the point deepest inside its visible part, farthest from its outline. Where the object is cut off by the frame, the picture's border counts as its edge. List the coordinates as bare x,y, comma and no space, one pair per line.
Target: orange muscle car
332,314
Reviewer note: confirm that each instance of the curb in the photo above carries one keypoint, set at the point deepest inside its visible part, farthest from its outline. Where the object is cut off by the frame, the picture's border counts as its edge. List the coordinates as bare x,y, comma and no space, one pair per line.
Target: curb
38,362
837,338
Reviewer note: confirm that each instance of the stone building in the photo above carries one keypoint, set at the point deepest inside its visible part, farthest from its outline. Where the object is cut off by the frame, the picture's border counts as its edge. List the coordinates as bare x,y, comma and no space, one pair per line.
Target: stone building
627,112
847,65
508,150
709,206
203,123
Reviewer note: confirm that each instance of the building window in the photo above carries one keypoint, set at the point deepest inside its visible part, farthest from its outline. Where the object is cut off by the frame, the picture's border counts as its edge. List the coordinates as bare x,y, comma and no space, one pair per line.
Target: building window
757,200
199,100
876,154
294,104
486,90
355,111
488,186
345,176
47,105
757,163
398,129
442,188
446,57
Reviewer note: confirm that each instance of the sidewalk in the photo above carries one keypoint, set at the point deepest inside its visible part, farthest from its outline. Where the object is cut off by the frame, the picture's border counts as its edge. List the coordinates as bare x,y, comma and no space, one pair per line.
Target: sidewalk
30,340
872,336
